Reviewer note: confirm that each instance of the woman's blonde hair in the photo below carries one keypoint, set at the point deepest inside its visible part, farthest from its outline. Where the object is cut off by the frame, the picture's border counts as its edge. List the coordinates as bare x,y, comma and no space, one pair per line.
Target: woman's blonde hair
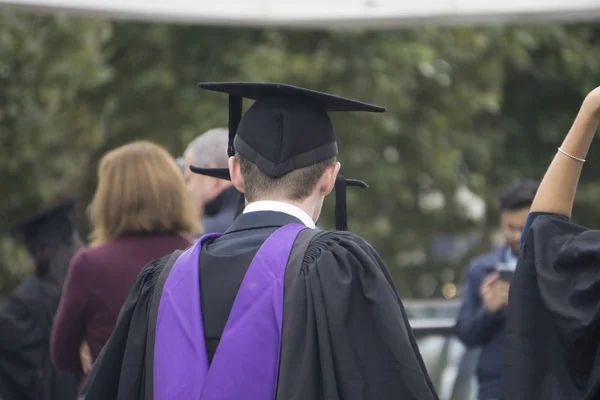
140,190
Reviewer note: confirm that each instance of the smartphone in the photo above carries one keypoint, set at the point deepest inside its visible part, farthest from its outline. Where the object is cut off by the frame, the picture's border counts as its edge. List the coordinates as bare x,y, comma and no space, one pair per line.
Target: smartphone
505,275
489,270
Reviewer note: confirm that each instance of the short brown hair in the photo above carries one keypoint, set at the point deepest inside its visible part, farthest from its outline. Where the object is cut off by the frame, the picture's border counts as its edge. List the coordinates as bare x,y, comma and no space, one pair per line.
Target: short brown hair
296,185
140,189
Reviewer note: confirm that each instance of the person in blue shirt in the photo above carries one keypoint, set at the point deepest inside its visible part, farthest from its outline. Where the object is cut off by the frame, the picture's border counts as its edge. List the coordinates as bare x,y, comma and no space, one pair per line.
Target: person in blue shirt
482,319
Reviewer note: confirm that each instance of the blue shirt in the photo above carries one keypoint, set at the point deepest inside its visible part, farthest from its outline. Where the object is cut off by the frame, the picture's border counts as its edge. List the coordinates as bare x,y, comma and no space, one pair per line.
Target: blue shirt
476,327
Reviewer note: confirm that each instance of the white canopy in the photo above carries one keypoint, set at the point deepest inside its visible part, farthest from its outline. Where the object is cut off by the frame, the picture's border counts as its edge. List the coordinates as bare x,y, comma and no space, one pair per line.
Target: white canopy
323,13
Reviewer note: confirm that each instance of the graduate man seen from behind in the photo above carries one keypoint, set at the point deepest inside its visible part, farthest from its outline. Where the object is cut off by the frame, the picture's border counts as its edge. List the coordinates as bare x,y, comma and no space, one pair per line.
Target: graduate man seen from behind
273,308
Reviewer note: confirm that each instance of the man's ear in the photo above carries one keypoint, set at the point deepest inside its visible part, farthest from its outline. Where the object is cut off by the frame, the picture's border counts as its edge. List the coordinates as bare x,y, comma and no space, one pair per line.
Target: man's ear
236,174
327,182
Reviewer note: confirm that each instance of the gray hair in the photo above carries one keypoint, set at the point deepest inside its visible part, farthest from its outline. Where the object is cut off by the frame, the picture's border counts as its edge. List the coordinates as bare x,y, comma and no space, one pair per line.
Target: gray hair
209,148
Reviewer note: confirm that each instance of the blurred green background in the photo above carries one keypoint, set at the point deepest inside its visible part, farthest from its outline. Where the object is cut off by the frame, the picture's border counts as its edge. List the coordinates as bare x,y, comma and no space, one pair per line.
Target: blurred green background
469,109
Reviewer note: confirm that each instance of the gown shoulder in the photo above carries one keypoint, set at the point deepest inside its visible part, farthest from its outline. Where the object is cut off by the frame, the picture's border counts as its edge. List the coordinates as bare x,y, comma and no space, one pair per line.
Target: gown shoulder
118,372
349,327
554,317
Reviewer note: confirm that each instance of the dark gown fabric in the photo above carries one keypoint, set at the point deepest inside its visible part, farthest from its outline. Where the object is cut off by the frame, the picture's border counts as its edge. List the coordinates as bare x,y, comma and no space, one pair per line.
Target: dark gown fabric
345,332
554,320
220,212
26,371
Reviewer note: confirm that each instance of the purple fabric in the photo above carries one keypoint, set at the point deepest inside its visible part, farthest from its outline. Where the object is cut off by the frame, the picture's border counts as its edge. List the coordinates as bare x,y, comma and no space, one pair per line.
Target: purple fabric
246,363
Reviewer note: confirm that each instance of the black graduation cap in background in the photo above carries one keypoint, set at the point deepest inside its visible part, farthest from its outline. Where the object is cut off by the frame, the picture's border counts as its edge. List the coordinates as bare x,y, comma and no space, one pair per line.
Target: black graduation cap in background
52,223
286,128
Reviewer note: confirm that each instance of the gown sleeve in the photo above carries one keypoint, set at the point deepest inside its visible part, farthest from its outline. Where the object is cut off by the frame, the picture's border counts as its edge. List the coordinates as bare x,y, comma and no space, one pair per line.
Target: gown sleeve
567,260
349,337
118,372
16,327
554,312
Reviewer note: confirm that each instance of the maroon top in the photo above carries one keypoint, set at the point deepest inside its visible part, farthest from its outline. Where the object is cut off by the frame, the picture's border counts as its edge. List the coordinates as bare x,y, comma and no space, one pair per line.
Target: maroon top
96,287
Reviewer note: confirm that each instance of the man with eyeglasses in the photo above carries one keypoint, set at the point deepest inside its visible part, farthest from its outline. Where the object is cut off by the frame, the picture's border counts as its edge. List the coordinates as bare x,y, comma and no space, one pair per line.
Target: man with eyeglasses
482,319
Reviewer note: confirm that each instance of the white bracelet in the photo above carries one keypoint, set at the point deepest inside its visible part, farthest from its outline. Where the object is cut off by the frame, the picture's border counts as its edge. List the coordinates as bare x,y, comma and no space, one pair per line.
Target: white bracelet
581,160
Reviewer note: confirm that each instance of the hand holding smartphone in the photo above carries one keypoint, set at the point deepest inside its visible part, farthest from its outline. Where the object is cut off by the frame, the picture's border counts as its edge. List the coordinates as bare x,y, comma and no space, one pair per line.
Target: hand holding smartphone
505,275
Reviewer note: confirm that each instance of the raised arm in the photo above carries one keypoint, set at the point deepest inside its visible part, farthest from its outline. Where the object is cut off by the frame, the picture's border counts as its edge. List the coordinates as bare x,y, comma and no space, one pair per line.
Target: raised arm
557,190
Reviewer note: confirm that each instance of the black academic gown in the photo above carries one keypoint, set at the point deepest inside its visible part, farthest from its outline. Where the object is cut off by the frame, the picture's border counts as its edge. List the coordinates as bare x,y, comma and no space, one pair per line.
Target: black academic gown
345,333
553,332
26,372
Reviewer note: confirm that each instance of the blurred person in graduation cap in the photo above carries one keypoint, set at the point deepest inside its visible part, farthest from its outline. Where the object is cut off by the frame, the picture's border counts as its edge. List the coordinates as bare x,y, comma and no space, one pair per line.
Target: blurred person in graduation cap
273,308
216,200
141,211
553,335
26,371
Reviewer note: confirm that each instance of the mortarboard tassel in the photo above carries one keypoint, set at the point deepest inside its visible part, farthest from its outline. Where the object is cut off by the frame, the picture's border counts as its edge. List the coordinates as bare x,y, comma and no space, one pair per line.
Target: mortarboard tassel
235,116
341,209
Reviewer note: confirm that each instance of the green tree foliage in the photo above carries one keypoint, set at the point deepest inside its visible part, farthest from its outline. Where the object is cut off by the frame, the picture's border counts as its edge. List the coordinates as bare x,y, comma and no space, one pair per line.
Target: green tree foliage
467,108
49,67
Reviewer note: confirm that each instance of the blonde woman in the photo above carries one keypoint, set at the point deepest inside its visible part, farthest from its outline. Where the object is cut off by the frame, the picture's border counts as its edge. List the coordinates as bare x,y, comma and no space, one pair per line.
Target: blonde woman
141,211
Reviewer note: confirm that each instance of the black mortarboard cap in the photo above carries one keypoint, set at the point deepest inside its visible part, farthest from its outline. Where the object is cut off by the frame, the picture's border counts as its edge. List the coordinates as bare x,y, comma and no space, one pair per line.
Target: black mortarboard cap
52,223
287,128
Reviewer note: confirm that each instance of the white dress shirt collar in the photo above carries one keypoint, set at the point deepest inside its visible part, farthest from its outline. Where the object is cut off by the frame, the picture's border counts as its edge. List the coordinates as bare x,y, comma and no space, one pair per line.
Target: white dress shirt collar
279,206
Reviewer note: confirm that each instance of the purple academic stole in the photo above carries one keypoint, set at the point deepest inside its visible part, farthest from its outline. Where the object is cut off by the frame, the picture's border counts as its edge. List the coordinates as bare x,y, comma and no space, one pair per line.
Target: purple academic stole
246,363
